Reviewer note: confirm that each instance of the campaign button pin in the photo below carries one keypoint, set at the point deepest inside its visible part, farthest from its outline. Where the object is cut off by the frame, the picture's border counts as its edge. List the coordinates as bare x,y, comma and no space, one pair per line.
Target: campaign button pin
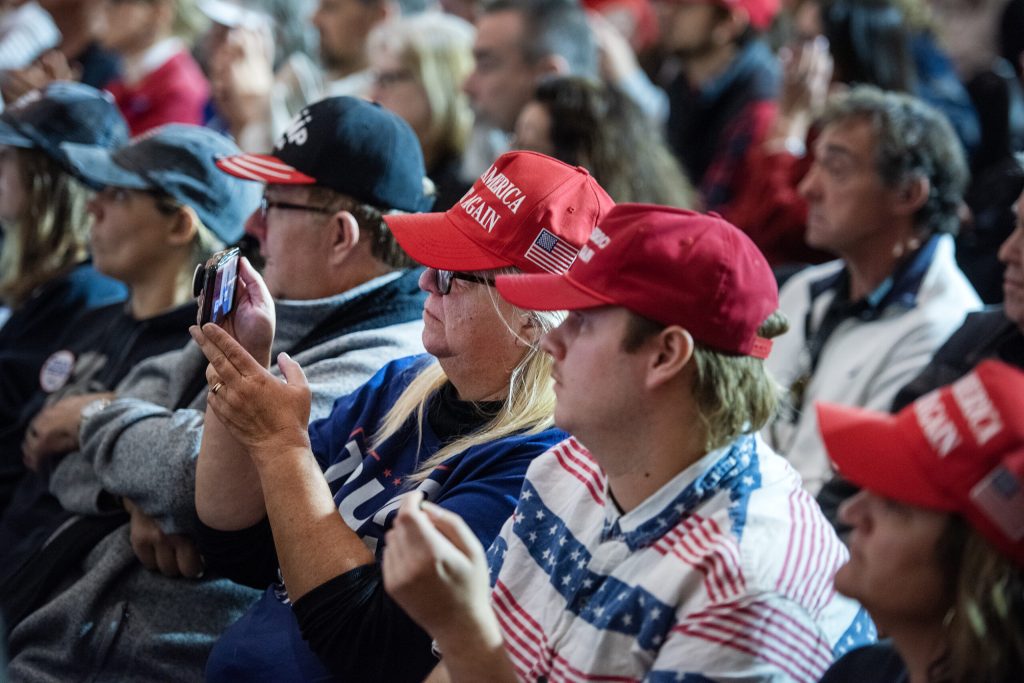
56,370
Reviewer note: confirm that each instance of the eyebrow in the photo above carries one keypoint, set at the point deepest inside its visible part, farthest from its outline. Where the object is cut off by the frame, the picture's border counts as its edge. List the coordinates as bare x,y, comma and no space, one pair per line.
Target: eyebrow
835,150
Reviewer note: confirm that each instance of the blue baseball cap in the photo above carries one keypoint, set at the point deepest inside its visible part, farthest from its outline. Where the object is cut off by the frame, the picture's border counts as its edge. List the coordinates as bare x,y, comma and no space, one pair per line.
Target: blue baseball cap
348,145
63,112
179,160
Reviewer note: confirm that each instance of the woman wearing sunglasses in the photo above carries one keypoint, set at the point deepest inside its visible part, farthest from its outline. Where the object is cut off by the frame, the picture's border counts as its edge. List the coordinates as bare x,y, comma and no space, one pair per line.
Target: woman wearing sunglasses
460,425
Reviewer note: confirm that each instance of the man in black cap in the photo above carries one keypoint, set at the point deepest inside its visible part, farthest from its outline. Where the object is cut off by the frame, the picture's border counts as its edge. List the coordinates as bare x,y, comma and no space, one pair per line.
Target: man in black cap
345,304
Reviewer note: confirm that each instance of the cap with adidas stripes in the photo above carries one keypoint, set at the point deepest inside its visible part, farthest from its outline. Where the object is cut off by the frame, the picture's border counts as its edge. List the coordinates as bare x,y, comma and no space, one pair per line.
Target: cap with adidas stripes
348,145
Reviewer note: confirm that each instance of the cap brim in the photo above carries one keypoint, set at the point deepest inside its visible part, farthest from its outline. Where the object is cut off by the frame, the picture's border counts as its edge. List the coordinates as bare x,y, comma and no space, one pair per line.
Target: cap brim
263,168
11,137
433,240
225,13
872,450
96,167
547,292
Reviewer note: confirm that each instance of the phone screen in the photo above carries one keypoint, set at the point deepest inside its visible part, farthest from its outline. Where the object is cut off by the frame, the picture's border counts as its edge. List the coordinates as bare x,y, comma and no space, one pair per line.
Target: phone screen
224,290
214,285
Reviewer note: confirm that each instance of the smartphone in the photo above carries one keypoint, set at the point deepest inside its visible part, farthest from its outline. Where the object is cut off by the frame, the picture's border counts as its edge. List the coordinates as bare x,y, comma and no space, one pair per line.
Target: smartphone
214,286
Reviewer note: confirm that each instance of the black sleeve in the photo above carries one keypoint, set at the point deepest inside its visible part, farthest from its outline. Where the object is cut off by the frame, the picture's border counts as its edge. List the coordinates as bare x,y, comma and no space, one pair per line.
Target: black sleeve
360,633
246,556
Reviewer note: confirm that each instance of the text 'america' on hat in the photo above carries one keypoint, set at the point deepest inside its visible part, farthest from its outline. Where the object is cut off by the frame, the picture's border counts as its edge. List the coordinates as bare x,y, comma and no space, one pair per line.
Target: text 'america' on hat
348,145
527,210
63,112
673,266
179,160
957,449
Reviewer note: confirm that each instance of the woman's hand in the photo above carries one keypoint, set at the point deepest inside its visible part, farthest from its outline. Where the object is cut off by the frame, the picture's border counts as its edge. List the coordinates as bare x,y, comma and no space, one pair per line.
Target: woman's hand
242,76
263,413
172,555
54,429
252,320
806,77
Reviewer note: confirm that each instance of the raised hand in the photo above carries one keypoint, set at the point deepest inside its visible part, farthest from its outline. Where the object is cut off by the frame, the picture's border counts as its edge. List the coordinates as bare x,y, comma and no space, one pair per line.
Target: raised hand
263,413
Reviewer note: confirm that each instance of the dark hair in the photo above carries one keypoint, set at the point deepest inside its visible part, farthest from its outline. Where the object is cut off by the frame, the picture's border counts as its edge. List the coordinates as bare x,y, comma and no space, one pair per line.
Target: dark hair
870,43
553,27
595,126
912,139
984,642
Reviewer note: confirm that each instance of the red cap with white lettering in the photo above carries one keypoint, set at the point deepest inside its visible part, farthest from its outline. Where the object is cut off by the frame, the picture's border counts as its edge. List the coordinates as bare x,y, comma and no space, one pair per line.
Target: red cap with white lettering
674,266
957,449
527,210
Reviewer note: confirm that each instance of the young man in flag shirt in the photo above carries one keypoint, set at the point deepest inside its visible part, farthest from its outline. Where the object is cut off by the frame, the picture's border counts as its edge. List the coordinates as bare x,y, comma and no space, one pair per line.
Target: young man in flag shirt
664,540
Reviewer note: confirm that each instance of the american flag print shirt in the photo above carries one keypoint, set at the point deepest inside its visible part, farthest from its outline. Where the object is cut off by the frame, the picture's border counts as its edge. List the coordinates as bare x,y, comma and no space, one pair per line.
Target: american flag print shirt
725,573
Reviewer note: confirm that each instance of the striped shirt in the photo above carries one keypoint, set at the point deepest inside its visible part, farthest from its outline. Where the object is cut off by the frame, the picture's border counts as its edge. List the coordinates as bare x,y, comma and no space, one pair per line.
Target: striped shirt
724,572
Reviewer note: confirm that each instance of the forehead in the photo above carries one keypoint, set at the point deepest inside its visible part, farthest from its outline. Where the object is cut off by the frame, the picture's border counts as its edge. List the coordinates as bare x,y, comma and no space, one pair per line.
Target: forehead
290,192
498,32
854,138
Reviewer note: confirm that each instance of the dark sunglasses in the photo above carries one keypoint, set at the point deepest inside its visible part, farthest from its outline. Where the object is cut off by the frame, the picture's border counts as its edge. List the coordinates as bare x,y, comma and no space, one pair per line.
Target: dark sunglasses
443,279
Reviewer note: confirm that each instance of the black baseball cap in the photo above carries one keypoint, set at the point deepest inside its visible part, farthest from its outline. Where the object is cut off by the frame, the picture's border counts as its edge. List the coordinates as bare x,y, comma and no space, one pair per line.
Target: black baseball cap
348,145
63,112
179,160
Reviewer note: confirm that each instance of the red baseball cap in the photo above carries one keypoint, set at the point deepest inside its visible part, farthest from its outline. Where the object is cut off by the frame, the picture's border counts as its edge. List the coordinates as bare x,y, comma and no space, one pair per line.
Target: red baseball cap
957,449
760,12
527,210
674,266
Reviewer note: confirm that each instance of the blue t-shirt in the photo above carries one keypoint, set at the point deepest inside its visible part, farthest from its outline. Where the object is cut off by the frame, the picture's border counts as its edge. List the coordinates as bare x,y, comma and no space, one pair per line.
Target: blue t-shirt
481,484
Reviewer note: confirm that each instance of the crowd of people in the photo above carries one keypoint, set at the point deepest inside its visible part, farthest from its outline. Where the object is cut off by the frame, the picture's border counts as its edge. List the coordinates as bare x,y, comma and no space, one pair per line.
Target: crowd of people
663,340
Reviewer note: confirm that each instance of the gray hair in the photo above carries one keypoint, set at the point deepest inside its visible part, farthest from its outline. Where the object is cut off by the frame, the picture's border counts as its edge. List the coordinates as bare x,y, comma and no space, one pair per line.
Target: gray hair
914,140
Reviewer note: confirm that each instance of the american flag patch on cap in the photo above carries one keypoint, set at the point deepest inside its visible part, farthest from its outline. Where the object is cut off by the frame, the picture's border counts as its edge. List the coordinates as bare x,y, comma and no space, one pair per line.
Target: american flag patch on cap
551,253
1000,497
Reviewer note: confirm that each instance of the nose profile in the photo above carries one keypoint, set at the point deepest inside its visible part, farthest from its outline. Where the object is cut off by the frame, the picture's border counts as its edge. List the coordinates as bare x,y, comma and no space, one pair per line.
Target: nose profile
551,343
256,225
851,511
808,187
428,281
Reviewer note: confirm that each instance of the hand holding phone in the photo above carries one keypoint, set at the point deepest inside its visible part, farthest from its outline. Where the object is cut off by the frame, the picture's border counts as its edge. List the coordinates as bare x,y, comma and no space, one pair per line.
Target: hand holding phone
214,285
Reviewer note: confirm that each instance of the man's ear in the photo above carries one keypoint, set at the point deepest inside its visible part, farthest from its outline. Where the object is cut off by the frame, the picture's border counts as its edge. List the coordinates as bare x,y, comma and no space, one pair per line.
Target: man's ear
344,235
551,64
911,195
670,351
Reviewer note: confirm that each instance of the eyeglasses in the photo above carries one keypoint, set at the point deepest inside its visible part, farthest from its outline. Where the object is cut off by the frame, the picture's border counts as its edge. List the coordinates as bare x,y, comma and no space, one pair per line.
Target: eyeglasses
266,205
389,79
443,279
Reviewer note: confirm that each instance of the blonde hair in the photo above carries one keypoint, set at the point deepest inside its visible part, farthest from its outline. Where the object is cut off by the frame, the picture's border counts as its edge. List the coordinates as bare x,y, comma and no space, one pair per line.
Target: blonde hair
734,394
50,235
204,245
437,48
189,21
528,407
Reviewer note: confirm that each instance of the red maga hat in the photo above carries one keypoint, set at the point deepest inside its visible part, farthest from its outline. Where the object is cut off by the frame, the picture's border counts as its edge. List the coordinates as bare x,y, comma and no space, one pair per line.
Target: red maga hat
674,266
958,449
527,210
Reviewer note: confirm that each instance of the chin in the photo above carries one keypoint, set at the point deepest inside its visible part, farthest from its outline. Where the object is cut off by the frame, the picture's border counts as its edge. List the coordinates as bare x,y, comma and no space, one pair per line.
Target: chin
842,580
